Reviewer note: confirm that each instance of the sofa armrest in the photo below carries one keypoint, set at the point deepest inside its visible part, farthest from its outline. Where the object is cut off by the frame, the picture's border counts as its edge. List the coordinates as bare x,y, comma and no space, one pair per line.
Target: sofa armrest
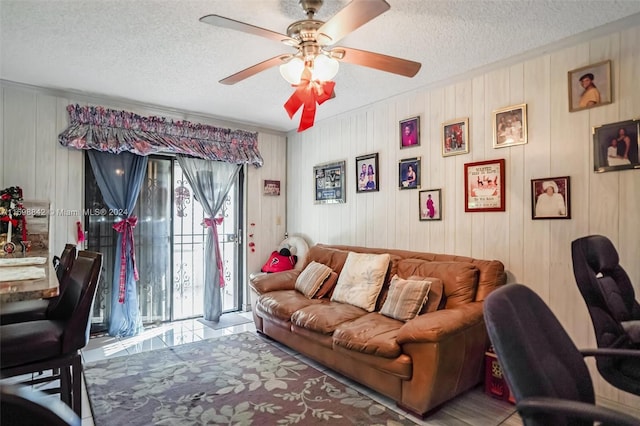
285,280
437,326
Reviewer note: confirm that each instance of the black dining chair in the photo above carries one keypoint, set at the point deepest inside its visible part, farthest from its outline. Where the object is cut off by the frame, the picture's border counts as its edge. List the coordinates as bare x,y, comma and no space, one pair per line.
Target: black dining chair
614,311
54,344
545,370
25,406
38,309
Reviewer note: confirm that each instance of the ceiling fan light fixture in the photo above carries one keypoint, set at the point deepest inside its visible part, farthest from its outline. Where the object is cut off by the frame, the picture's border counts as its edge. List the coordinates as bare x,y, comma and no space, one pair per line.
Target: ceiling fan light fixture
323,69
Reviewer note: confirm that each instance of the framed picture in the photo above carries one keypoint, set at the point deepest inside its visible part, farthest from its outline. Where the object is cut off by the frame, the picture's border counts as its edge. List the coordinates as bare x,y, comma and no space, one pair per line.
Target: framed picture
590,86
616,146
410,132
550,198
367,173
484,186
510,126
430,204
455,137
409,173
329,181
271,187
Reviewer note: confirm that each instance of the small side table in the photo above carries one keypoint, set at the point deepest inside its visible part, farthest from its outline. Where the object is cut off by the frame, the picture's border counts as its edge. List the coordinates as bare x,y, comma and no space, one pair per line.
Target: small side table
495,384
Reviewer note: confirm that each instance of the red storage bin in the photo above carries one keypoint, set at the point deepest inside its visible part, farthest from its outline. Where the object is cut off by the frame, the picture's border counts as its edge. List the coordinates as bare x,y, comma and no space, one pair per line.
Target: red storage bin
495,384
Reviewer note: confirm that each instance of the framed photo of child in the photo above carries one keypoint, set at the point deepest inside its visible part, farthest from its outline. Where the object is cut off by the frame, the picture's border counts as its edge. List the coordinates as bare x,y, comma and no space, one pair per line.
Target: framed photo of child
430,202
410,132
367,173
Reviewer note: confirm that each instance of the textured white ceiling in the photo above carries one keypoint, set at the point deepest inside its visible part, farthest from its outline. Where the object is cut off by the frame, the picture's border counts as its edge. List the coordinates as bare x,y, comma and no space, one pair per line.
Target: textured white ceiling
157,52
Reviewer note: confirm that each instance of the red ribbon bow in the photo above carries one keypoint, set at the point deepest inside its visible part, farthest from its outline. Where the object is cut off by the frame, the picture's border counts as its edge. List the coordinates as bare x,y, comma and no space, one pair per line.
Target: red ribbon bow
125,227
14,222
211,223
308,93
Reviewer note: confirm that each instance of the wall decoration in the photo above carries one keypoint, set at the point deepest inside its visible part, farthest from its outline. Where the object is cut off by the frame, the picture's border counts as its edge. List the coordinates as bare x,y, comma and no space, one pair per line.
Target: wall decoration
510,126
484,186
616,146
550,198
409,173
430,202
410,132
329,181
590,86
367,173
455,137
271,187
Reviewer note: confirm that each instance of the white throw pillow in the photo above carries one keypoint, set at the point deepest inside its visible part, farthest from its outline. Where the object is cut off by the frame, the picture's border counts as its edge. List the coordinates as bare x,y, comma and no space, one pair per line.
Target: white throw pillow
361,280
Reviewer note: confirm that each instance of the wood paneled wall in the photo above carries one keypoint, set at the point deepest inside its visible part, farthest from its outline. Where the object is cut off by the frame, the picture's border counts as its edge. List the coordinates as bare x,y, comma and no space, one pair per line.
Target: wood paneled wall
31,119
535,252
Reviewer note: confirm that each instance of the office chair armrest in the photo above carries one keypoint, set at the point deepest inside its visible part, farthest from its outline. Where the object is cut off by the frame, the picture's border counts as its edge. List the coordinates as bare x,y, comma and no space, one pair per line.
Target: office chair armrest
22,405
575,409
610,352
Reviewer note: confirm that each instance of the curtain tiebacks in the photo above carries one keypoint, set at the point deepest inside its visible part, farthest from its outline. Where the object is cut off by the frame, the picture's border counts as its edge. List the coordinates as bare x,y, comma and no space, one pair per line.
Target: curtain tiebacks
211,223
125,227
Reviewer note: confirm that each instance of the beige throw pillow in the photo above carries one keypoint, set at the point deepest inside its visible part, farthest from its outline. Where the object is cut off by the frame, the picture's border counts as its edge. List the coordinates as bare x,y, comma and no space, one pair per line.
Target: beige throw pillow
405,298
361,280
311,278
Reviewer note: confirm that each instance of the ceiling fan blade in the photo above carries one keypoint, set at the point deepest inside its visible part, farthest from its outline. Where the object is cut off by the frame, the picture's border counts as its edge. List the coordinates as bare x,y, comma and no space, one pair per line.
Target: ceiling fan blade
221,21
255,69
350,18
376,60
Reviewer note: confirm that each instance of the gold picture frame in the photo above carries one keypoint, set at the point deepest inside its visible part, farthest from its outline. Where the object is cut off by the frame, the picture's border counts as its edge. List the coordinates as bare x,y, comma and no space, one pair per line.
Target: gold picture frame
510,126
590,86
455,137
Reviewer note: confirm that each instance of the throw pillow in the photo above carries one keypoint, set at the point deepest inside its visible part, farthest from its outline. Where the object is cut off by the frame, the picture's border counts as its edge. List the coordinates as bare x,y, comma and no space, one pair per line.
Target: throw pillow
361,280
327,286
311,278
405,298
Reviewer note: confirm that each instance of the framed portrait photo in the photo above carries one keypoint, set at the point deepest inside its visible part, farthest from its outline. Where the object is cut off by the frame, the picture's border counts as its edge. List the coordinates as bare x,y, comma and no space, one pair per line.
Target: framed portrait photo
367,173
550,198
510,126
590,86
410,132
329,181
455,137
271,187
616,146
409,173
430,202
484,186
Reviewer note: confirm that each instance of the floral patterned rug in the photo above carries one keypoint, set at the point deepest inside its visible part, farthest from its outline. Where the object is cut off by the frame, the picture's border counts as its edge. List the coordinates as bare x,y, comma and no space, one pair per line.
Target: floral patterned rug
240,379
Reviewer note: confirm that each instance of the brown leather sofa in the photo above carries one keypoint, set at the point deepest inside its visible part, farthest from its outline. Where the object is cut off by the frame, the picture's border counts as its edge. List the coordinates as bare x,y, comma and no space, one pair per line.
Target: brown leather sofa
420,363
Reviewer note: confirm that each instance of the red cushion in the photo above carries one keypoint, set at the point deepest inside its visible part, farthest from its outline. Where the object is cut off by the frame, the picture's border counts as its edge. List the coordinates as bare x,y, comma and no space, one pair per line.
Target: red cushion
279,263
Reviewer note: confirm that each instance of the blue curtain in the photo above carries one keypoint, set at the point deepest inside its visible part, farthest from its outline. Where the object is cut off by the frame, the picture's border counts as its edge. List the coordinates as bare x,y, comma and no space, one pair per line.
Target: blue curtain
211,182
119,178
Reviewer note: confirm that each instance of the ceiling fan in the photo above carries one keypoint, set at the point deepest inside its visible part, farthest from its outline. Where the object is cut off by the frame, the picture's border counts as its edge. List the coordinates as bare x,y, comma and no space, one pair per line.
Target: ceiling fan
314,43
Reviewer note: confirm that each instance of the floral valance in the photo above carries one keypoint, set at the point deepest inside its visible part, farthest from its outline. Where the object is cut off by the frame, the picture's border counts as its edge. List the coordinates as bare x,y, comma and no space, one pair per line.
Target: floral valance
102,129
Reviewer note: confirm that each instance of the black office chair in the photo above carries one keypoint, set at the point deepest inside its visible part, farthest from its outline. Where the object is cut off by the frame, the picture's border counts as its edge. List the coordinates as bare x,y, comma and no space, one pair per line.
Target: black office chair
54,344
24,406
545,371
39,309
610,299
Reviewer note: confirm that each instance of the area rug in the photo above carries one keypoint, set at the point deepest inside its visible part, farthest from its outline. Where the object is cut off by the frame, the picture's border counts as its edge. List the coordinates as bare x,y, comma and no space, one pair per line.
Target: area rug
240,379
226,320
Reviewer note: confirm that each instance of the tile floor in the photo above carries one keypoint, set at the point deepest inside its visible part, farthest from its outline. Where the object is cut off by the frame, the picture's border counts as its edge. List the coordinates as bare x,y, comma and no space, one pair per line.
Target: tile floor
472,408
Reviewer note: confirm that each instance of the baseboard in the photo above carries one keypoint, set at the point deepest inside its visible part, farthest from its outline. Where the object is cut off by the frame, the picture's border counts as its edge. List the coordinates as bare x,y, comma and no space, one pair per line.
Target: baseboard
618,406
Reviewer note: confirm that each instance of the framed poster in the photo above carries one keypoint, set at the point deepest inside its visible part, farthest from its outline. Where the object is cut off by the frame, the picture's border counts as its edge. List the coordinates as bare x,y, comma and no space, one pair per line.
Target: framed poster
410,132
271,187
409,173
484,186
510,126
590,86
430,202
616,146
367,173
455,137
329,181
550,198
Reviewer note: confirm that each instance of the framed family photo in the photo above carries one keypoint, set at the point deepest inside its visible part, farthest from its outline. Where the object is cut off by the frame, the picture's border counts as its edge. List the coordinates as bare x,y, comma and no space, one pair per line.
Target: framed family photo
367,173
410,132
271,187
550,198
590,86
409,173
616,146
329,181
484,186
430,202
455,137
510,126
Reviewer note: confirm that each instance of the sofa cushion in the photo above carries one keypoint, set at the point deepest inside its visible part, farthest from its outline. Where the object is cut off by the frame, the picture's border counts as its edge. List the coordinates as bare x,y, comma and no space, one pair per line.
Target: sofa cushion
361,279
282,304
326,317
331,257
372,334
311,278
327,286
405,298
436,299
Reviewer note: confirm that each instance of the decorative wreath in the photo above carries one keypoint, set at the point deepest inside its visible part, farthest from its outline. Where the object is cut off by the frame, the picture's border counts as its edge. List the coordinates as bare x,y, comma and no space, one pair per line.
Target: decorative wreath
12,211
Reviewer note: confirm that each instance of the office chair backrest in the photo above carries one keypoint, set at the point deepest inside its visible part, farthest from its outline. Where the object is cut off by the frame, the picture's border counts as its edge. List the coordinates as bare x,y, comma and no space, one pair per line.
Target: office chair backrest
535,352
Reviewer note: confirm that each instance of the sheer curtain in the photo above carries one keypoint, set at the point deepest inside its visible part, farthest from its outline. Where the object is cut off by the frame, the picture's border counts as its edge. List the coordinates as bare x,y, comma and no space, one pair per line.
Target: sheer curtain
210,181
119,178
